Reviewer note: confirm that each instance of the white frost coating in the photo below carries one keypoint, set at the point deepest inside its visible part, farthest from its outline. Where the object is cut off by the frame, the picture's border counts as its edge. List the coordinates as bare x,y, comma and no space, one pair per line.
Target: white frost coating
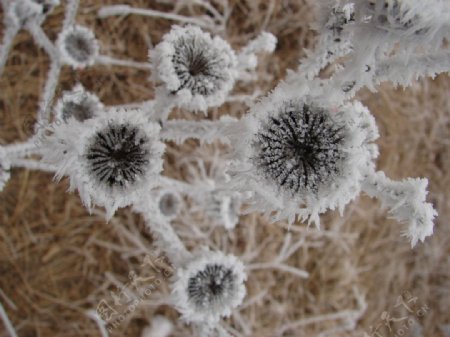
263,43
78,46
205,130
197,70
208,287
277,171
160,327
112,159
5,174
77,103
406,201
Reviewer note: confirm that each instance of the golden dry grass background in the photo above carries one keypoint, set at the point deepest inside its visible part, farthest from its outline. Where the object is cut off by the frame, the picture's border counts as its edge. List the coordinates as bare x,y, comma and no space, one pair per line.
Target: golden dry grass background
57,261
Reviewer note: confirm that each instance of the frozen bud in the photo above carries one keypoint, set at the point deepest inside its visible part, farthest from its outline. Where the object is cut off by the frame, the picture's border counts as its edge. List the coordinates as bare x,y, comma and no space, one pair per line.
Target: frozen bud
197,69
78,46
209,287
78,104
169,203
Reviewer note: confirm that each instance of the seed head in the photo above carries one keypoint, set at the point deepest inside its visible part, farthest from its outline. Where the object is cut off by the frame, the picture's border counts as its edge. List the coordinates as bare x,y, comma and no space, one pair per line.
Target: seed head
78,46
300,148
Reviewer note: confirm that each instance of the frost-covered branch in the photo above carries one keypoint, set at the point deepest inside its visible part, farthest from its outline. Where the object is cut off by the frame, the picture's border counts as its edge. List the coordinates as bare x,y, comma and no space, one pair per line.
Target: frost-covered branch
406,201
8,38
205,131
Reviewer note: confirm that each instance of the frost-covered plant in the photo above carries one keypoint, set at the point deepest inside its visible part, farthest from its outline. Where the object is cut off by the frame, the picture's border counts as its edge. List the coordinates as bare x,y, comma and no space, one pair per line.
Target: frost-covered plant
306,147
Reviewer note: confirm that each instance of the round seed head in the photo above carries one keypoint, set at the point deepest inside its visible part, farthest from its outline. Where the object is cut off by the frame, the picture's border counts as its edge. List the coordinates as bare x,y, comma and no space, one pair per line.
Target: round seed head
169,204
197,69
209,287
118,155
78,46
300,149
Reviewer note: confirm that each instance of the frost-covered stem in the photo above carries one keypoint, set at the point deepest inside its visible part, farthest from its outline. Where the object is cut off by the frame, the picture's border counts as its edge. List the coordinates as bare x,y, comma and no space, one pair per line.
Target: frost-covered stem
101,325
167,239
322,56
32,165
280,266
138,105
43,116
406,201
70,14
20,149
8,37
125,10
162,106
205,131
247,99
404,69
107,60
9,327
42,39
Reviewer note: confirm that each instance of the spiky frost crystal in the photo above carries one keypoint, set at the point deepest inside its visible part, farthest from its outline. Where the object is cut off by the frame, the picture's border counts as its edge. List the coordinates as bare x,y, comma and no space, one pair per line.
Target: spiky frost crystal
302,148
209,287
194,67
78,46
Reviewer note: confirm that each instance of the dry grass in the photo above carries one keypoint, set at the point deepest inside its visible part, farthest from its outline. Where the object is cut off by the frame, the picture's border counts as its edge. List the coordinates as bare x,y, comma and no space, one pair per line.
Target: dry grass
57,261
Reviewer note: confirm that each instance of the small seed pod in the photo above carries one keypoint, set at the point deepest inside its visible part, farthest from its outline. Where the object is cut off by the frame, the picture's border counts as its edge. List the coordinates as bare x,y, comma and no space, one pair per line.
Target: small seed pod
196,69
78,46
209,287
78,104
169,203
